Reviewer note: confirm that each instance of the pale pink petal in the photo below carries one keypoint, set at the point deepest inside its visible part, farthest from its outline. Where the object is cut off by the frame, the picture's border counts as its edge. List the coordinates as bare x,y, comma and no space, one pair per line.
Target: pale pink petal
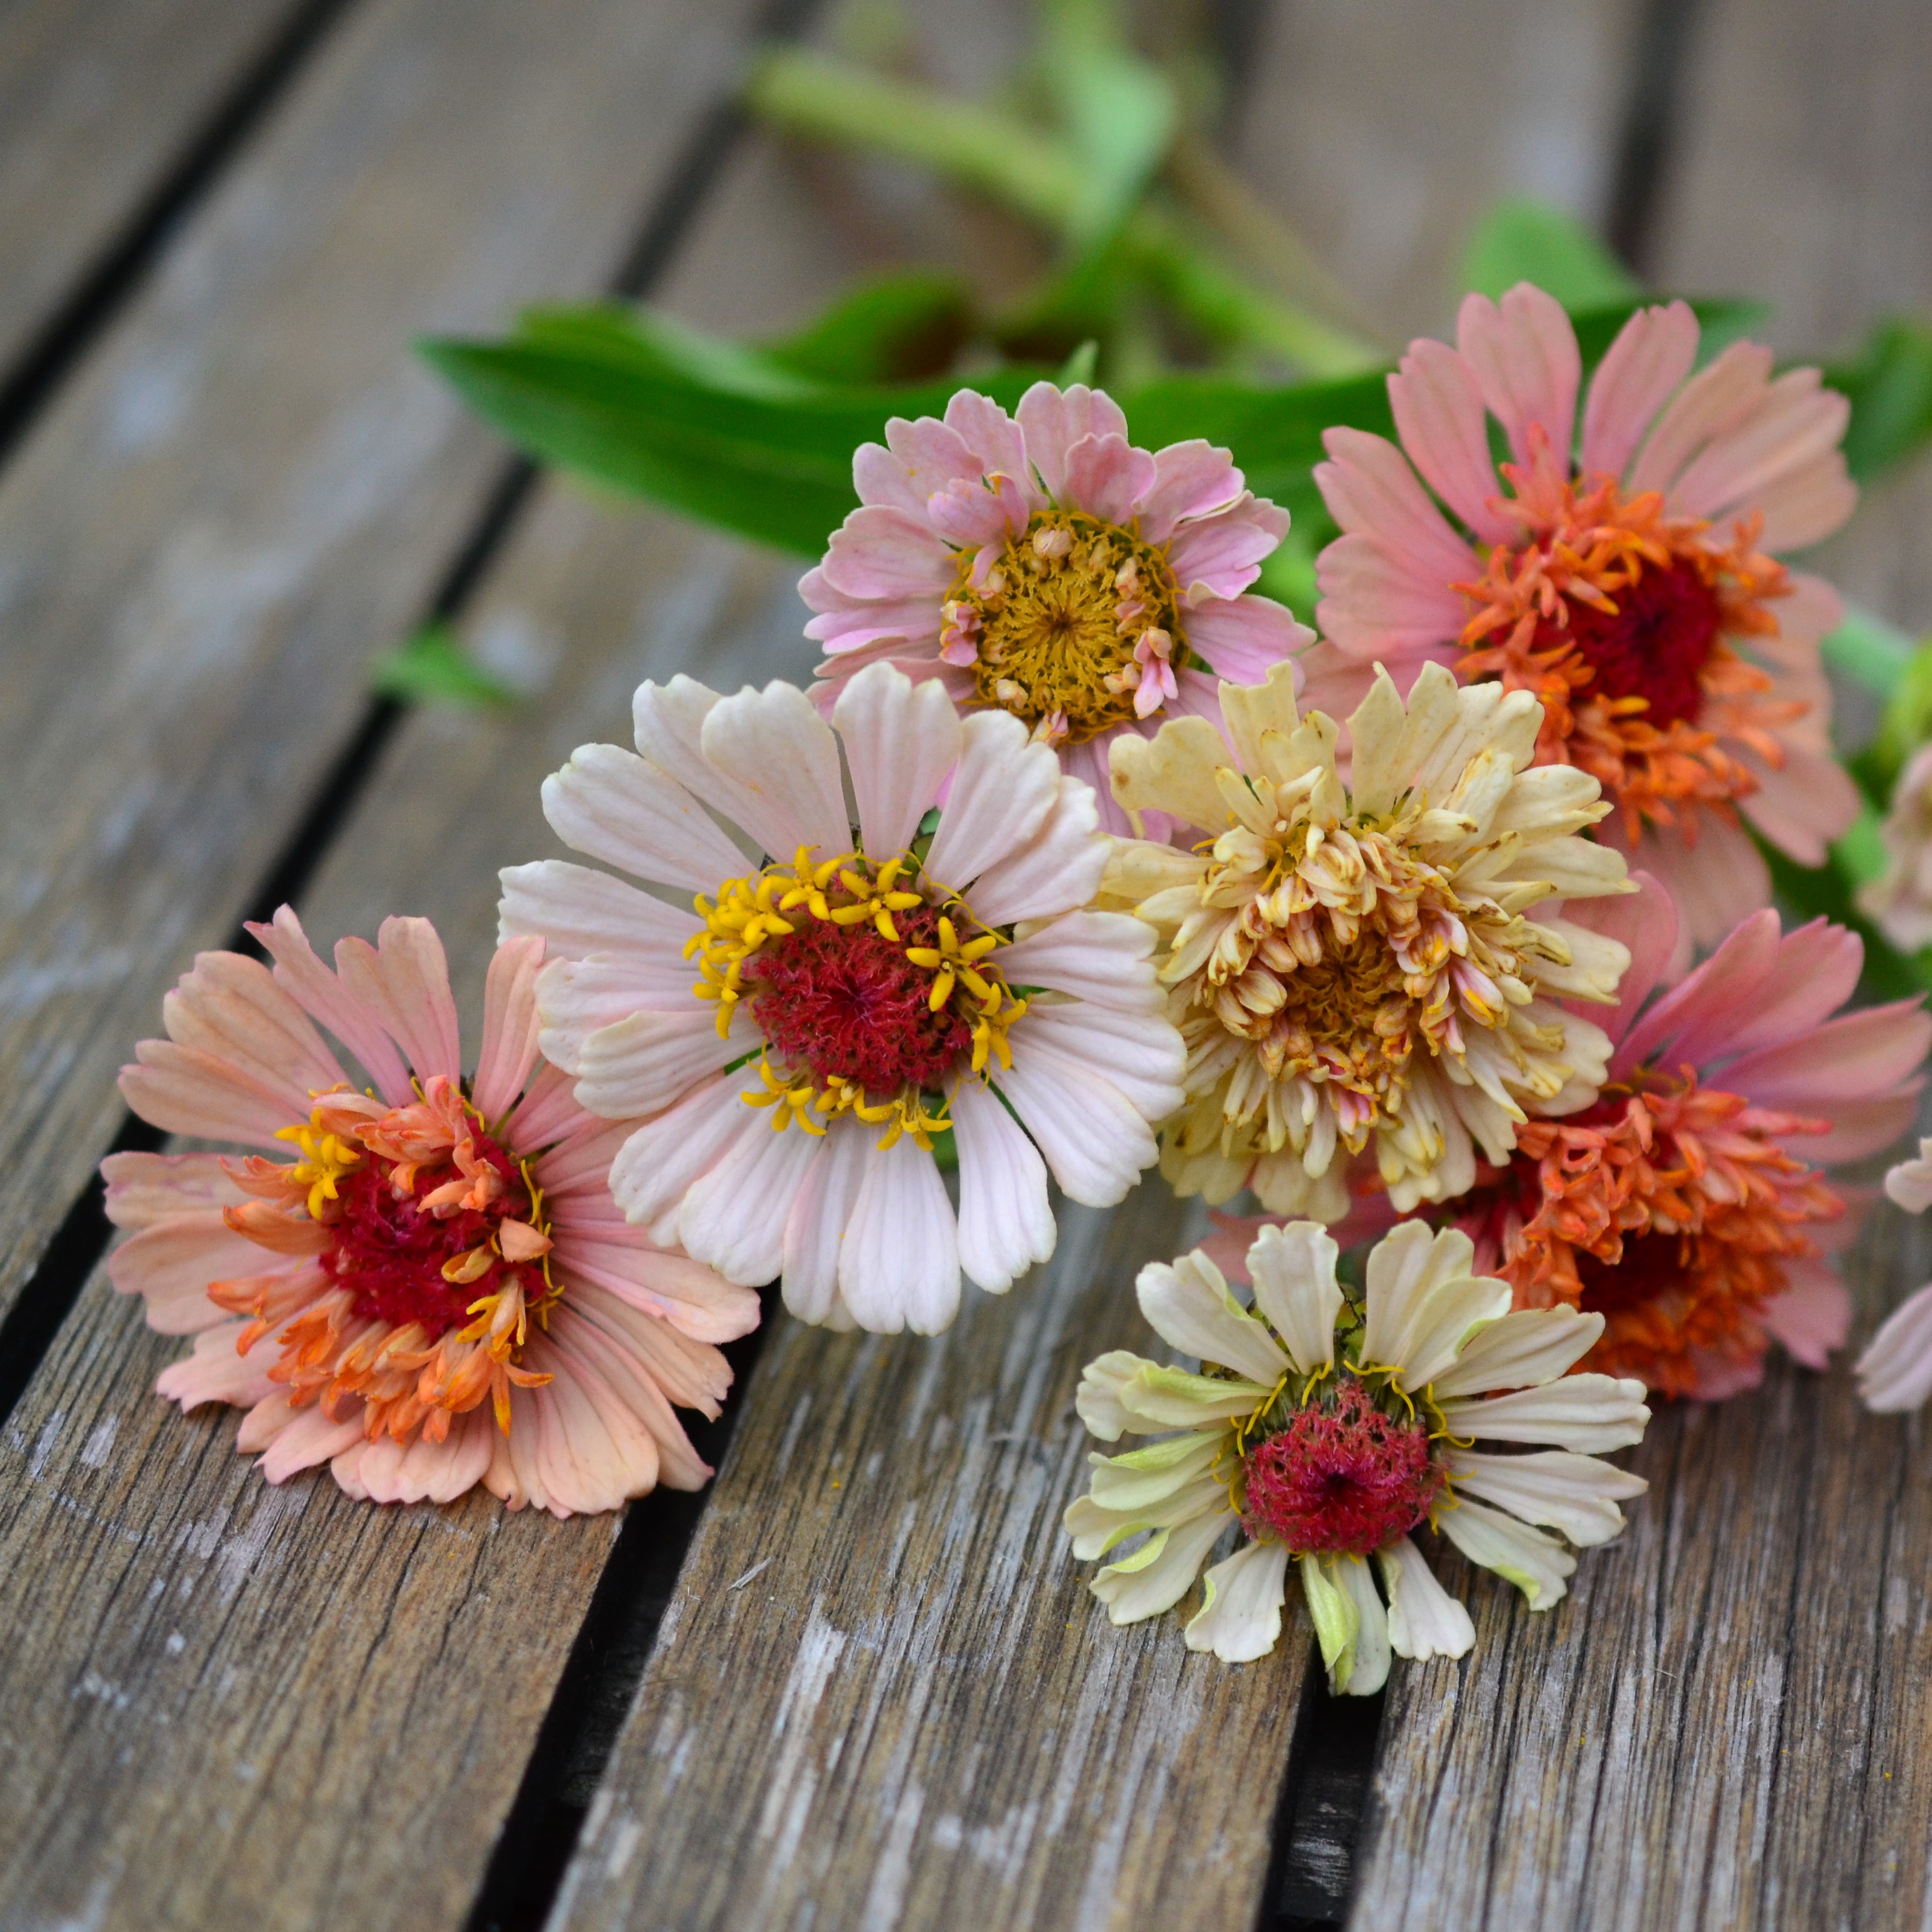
611,1370
1439,416
1006,1220
669,721
1809,610
593,1453
404,979
900,1269
322,997
1088,764
929,456
648,1061
781,751
879,553
1371,491
1094,1141
1895,1372
694,1299
215,1372
1241,639
190,1093
386,1471
1106,476
1858,1056
1639,374
821,1212
546,1112
691,1374
1222,555
615,806
1335,683
997,441
901,740
970,516
1794,425
1719,397
510,1026
1717,1377
1059,868
1053,420
1700,1012
1143,1060
1813,1316
1806,505
845,624
1101,956
1814,971
1002,791
651,1171
576,911
578,997
230,1008
1377,602
170,1264
1190,479
1524,352
1715,883
144,1189
734,1216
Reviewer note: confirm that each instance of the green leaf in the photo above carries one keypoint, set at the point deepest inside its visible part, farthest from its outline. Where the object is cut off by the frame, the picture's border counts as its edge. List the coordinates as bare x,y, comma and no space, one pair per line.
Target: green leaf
711,436
1826,891
1079,367
1868,648
1889,384
432,667
893,329
1526,241
1118,110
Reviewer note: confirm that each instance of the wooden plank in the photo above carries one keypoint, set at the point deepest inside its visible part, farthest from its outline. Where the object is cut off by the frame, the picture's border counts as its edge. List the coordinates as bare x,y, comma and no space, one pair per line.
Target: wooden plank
882,1696
1382,132
254,486
1728,1723
98,98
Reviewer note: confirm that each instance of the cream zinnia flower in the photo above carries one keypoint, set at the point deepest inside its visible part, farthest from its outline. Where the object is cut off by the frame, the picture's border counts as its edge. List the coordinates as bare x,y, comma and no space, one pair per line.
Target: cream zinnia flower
1351,958
1328,1429
862,993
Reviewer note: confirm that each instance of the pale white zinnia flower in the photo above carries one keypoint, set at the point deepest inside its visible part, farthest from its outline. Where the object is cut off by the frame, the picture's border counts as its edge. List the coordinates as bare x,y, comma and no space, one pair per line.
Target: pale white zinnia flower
1895,1372
1327,1430
861,994
1368,946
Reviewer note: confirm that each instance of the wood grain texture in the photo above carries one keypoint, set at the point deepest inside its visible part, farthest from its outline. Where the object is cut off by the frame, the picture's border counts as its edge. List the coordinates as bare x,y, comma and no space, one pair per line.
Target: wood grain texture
97,98
1382,132
253,486
882,1696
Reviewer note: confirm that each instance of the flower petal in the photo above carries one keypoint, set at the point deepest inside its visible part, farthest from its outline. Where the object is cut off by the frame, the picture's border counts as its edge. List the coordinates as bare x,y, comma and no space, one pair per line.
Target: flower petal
1006,1220
1003,789
1577,1495
1189,1307
1293,1270
901,740
1538,1565
1589,1413
1156,1576
1240,1617
613,805
900,1269
1424,1620
1523,1350
773,744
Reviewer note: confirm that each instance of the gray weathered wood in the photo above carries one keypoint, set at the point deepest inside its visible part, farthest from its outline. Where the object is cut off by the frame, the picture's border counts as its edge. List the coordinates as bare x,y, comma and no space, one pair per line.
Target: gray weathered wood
1727,1724
97,97
882,1695
1382,132
253,486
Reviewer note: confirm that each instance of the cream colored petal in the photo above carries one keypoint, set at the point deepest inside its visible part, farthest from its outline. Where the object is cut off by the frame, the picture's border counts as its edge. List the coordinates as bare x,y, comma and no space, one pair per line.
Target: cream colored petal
1097,1400
1538,1565
1590,1414
1156,1576
1350,1623
1577,1495
1240,1618
1163,1398
1251,711
1293,1270
1424,1620
1189,1307
1096,1529
1173,771
1532,1346
1376,777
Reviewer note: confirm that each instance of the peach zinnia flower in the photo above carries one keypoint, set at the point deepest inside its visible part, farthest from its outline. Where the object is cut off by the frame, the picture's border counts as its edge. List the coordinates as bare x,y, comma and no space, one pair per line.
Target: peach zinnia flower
1688,1207
1044,566
1632,586
438,1290
1328,1427
1895,1373
860,995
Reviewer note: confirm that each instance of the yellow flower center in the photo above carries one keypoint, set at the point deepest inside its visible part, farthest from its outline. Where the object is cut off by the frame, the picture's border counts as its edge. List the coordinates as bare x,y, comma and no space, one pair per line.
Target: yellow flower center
1074,615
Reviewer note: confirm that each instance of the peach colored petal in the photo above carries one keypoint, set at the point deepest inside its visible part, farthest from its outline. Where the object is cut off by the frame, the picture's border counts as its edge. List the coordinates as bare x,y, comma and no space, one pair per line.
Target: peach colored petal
1855,1057
1642,369
190,1093
695,1300
1813,1316
1793,425
1371,491
510,1027
1524,352
230,1008
143,1189
1719,397
323,997
1803,806
1713,883
421,1471
170,1263
1644,921
691,1374
404,978
1698,1013
308,1437
216,1372
1806,505
1378,602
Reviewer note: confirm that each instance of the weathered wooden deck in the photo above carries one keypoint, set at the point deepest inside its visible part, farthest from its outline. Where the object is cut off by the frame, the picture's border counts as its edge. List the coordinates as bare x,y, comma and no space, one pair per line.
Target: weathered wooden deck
857,1683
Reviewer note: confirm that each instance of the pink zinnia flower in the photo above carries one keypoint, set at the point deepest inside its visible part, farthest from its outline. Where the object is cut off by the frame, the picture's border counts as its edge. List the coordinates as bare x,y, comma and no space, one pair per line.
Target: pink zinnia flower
1044,566
438,1290
1895,1373
1628,579
1688,1205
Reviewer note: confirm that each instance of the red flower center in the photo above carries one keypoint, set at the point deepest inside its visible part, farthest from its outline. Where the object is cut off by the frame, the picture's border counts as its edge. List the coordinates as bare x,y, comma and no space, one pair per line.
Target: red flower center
390,1252
1655,647
1652,1265
1341,1477
845,1003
